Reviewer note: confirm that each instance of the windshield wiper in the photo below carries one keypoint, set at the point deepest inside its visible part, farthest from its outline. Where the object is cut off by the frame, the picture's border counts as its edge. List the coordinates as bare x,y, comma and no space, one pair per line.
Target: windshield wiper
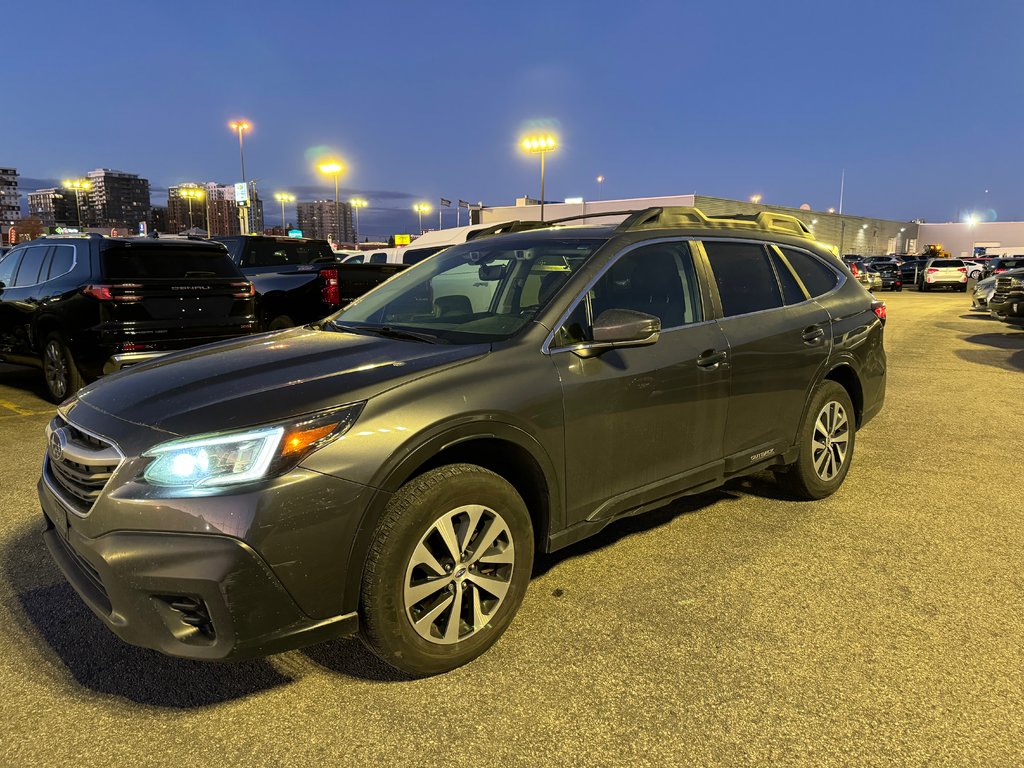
389,331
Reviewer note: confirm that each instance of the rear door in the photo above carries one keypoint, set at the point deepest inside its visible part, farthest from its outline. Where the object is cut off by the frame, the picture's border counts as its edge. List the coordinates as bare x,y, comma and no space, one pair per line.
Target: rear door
160,293
779,340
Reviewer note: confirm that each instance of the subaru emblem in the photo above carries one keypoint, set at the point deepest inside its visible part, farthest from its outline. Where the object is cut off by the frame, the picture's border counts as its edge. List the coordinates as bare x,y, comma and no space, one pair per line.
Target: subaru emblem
57,443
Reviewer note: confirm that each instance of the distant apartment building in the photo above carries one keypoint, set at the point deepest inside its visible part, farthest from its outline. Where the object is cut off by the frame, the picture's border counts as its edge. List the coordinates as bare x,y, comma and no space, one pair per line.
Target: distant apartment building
10,206
117,199
179,205
158,219
55,207
320,219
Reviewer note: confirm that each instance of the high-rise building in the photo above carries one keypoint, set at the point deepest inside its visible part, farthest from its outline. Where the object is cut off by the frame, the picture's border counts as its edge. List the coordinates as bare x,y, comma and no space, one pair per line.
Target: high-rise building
10,205
178,206
158,219
55,207
320,219
117,199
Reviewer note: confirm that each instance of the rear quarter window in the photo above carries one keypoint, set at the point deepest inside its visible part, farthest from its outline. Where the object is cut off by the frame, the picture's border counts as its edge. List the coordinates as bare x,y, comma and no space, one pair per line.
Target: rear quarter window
141,262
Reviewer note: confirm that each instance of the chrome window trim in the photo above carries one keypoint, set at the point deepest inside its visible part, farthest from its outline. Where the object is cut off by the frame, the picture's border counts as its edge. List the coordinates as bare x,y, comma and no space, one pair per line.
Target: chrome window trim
546,347
74,263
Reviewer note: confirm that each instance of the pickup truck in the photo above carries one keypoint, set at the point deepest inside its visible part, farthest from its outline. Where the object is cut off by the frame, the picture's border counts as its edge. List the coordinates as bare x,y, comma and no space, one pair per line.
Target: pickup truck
300,280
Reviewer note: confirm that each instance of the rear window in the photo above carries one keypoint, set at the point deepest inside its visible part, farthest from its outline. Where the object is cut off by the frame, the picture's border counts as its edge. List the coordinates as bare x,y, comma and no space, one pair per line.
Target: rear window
1011,263
947,263
283,253
139,262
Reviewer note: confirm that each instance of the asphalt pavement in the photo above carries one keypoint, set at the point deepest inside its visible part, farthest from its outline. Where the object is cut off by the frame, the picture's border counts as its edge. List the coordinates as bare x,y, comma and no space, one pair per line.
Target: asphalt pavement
881,626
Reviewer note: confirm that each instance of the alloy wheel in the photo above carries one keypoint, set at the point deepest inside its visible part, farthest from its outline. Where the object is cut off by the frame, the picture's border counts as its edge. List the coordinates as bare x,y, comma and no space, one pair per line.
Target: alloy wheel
55,368
830,441
459,574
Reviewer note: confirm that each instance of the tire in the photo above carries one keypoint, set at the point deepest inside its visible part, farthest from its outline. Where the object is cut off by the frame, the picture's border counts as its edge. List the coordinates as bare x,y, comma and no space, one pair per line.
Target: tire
963,288
922,287
898,289
280,322
60,372
412,572
830,414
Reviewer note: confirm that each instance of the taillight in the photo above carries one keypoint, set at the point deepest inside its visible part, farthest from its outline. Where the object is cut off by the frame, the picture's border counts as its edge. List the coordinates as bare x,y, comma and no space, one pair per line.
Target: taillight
331,290
962,269
106,292
932,270
998,270
878,307
248,290
853,268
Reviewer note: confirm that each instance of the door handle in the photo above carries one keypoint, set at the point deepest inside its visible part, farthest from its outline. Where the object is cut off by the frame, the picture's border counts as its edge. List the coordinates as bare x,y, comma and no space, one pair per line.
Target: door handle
710,359
813,334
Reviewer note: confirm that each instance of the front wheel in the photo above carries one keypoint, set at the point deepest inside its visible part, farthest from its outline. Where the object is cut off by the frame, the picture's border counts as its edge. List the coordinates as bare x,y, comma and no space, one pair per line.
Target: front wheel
62,376
447,570
826,441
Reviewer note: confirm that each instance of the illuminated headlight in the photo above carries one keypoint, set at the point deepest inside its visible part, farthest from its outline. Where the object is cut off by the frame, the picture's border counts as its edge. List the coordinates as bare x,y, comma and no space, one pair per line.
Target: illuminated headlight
229,458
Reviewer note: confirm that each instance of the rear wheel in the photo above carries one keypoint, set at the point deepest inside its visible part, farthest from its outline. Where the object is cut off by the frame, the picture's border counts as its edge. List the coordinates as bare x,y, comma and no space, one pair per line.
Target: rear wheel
447,570
826,441
59,370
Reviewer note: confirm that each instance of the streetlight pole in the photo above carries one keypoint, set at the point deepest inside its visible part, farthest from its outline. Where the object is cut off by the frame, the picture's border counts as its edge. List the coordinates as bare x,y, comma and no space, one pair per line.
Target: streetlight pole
540,145
282,198
241,126
335,168
357,203
420,209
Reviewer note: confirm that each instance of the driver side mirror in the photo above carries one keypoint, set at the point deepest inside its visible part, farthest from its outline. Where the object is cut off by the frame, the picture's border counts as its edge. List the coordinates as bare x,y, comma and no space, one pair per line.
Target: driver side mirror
621,328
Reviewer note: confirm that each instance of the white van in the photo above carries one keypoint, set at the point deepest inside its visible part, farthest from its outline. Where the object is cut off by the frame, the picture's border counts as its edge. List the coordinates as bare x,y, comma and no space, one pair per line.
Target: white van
425,245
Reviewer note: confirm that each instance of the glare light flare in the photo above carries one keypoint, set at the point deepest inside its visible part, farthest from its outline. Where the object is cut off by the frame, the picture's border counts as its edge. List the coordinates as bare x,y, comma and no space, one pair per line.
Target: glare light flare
547,143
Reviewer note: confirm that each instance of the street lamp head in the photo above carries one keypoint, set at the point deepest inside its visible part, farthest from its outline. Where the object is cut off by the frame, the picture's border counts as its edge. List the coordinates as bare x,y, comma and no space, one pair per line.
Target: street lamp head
239,125
755,199
76,184
545,143
831,210
332,167
284,197
357,202
191,193
421,208
600,179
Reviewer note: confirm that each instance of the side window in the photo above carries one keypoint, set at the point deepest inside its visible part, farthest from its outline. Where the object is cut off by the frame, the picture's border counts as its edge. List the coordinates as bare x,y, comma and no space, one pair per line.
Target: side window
379,258
62,261
745,278
656,279
792,293
8,267
266,254
31,262
816,276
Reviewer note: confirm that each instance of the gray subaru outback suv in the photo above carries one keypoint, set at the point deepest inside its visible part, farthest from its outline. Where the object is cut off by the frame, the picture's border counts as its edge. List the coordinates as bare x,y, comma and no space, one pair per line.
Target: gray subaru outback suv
392,471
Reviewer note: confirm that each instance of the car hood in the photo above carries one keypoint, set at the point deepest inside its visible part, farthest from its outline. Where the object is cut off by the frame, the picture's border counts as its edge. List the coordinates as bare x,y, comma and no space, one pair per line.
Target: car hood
265,378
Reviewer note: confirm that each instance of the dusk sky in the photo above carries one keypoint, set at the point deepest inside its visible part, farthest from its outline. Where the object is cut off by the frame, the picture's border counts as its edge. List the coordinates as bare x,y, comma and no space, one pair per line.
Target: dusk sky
921,102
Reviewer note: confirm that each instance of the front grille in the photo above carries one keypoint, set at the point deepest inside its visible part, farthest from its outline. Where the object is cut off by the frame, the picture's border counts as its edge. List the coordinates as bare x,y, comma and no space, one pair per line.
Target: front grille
82,466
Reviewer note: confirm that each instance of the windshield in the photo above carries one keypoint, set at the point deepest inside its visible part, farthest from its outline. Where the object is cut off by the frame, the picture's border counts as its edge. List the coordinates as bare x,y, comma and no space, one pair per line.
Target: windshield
483,291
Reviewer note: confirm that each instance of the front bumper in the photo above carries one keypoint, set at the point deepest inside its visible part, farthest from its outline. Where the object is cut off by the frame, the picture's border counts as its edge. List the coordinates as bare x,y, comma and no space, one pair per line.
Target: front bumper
196,595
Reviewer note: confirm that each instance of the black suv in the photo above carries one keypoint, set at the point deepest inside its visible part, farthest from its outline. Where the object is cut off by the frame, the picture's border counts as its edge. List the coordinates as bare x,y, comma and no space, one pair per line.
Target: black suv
80,307
392,471
1007,302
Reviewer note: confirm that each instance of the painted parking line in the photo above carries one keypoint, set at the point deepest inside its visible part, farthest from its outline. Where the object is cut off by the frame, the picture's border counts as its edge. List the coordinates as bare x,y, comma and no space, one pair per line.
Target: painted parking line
17,410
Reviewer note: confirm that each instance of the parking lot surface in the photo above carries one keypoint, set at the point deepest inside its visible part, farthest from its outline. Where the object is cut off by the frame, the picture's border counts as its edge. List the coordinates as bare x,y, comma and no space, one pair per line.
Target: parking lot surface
881,626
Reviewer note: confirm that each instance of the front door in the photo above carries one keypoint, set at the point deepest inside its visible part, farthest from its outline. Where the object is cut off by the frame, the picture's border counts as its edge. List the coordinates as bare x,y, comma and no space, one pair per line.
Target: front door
642,422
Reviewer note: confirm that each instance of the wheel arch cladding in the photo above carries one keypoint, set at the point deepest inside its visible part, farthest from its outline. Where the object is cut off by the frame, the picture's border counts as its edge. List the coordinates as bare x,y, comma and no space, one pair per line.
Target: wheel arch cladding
847,378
